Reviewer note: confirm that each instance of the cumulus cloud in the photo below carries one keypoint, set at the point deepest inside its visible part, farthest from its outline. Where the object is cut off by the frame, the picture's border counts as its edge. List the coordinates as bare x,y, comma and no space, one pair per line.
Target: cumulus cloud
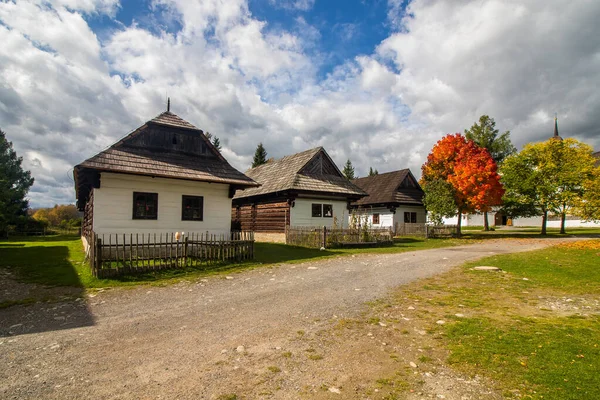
66,94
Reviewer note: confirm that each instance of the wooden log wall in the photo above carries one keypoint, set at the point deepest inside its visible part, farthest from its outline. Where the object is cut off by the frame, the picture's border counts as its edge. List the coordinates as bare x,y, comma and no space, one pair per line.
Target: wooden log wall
263,217
88,217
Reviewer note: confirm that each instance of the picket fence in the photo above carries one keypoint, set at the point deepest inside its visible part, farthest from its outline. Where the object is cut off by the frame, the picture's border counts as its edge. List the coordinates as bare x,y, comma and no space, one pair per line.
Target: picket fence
128,254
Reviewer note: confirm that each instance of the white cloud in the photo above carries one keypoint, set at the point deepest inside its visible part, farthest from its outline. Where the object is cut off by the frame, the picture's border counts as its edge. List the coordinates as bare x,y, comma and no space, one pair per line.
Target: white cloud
302,5
65,94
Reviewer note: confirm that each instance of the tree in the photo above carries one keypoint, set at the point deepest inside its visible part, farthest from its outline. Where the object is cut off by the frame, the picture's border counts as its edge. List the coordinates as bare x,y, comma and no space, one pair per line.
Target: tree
439,200
485,134
548,177
217,143
349,170
64,215
469,170
14,185
260,156
589,206
373,172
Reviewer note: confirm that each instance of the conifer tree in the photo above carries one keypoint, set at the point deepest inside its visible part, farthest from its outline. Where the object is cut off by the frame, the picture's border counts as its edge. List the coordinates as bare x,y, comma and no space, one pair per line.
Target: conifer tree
349,170
260,156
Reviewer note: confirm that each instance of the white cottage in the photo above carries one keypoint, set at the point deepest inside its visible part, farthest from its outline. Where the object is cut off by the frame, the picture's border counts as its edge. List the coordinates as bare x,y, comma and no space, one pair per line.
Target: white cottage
165,176
395,200
299,190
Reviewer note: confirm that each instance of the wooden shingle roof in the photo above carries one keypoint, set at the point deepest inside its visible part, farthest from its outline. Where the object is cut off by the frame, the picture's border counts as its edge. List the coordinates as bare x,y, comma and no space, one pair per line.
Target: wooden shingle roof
309,171
166,146
388,188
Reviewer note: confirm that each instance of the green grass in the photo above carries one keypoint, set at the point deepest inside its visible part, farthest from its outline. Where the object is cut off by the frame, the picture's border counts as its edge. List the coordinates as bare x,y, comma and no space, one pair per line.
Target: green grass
531,356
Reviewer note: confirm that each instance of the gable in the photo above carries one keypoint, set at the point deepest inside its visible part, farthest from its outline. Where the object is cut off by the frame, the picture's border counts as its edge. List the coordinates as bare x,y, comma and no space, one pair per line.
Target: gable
408,182
154,137
320,165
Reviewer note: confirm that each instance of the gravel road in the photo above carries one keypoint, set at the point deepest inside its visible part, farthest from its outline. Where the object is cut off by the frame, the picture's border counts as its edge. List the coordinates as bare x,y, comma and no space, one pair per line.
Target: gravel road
173,341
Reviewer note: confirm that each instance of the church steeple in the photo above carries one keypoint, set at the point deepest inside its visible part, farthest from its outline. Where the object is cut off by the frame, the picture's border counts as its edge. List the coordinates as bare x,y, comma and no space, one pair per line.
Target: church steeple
556,135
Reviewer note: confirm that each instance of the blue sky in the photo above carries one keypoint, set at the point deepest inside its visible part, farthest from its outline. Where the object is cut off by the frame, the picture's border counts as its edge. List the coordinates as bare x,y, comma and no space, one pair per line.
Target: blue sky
377,82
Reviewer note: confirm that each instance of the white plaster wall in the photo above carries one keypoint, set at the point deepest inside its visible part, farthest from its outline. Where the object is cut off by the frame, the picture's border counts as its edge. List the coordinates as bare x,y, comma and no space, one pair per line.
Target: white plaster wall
301,213
113,205
421,214
570,223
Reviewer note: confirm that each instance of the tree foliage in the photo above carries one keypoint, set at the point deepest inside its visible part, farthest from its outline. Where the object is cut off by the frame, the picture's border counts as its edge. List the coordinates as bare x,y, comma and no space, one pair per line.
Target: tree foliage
439,200
217,143
65,215
373,172
485,134
589,206
548,177
469,169
349,170
14,185
260,156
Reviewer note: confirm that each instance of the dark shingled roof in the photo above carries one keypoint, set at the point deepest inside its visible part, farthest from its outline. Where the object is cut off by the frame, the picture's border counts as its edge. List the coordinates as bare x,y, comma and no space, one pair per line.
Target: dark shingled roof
285,175
385,189
138,155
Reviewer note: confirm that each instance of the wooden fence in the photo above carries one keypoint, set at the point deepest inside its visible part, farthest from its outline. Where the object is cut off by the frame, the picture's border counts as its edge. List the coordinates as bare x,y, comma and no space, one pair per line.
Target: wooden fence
317,237
410,229
127,254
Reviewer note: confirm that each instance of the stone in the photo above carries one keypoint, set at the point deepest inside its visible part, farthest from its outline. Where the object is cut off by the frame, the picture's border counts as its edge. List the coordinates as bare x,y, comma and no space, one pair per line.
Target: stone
411,308
240,349
525,279
412,364
459,315
486,268
382,324
334,390
312,268
440,322
229,277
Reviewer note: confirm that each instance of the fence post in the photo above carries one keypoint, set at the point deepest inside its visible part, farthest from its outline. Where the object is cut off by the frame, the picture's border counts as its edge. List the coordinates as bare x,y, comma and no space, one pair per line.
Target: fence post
324,237
185,251
98,260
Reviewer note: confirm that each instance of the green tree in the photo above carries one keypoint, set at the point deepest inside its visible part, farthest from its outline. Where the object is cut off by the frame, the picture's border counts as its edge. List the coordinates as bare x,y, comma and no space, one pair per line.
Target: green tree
373,172
547,177
349,170
589,207
217,143
14,185
260,156
439,200
485,134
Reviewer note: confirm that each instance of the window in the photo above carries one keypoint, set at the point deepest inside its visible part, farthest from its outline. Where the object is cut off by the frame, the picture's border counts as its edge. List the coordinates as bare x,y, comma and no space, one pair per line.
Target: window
192,208
145,205
322,210
375,219
317,210
410,217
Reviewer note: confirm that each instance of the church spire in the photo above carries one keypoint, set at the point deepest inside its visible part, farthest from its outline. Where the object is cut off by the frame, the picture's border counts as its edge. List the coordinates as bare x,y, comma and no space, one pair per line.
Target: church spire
556,135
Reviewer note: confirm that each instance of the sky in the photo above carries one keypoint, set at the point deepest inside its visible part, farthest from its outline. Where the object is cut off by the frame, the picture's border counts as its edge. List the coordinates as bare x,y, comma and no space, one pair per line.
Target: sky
374,81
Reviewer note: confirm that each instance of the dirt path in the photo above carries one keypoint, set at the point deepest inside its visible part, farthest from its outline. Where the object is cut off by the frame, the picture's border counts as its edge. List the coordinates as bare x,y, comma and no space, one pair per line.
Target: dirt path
256,334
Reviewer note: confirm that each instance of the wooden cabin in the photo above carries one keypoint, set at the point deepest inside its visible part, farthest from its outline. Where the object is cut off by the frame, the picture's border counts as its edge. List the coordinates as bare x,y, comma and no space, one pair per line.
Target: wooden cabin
165,176
303,189
395,198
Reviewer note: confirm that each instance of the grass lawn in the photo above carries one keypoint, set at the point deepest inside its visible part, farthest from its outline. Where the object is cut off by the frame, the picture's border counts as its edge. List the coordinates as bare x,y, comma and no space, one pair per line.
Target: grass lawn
59,260
533,330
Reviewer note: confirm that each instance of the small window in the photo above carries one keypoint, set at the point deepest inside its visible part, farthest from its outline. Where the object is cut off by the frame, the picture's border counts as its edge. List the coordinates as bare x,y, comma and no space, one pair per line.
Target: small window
328,210
192,208
375,219
317,210
145,205
410,217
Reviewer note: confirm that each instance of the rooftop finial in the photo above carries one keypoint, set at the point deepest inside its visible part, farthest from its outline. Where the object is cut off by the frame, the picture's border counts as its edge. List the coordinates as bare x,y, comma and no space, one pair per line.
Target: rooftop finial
168,104
556,135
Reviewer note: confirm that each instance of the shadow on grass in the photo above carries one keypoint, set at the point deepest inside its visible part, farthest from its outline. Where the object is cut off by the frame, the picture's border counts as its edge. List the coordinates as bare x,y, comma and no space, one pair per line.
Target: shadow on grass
271,253
36,295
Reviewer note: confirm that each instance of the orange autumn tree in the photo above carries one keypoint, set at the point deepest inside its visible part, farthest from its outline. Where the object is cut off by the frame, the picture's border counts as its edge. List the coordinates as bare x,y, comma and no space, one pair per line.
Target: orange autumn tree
470,173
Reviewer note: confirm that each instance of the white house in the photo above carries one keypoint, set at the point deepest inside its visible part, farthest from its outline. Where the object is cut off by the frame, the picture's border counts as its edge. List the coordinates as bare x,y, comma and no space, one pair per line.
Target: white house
395,200
165,176
299,190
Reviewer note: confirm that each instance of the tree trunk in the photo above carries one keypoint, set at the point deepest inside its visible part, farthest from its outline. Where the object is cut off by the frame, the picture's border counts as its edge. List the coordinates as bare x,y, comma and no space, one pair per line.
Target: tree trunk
544,220
486,224
563,217
458,233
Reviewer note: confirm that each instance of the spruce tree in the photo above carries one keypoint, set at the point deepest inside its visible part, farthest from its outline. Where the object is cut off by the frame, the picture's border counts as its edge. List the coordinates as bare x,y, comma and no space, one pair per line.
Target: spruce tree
217,143
373,172
349,170
14,185
260,156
